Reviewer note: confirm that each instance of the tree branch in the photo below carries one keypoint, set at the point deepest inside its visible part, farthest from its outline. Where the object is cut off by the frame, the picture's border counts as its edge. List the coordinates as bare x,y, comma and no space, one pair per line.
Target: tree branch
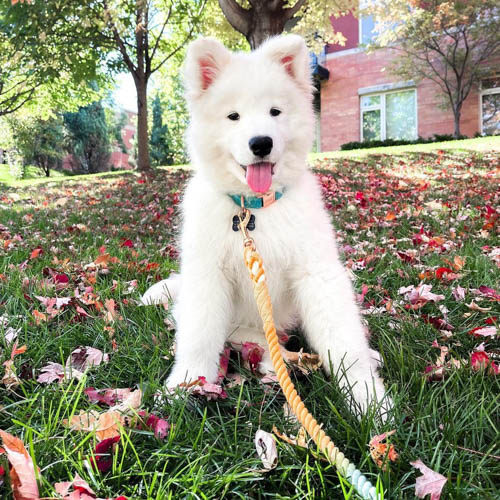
291,11
237,16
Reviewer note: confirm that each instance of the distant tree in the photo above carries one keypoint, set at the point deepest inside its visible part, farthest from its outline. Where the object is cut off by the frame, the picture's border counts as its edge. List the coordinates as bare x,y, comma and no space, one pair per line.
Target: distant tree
257,20
39,142
159,141
88,138
454,43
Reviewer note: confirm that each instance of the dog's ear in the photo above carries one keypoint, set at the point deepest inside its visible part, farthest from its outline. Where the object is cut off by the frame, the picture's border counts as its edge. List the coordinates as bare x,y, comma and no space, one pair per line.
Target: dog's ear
204,60
290,51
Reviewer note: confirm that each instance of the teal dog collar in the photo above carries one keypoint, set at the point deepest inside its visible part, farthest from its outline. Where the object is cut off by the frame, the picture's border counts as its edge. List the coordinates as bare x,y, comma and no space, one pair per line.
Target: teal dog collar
262,201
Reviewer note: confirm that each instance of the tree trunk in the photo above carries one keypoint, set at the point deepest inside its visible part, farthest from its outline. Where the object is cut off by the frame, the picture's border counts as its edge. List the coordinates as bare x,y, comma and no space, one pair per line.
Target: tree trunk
143,164
264,24
457,111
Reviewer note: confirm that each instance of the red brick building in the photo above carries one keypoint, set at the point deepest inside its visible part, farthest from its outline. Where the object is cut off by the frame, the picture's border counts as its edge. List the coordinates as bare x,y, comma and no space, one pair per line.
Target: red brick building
118,158
362,100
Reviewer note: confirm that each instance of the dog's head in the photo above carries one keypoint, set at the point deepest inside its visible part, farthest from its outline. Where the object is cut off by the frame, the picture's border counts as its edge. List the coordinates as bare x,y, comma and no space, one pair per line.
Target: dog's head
251,113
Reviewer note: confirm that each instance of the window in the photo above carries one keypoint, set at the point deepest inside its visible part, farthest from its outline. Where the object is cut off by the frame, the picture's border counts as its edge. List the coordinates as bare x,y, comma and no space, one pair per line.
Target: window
490,106
391,115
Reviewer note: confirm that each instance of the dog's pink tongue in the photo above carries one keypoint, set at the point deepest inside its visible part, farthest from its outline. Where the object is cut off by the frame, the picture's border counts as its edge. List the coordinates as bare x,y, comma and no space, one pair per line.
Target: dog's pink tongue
259,176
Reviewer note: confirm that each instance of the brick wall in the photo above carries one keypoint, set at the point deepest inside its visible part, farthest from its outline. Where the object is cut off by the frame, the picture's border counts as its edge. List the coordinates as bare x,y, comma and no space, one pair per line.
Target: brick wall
355,69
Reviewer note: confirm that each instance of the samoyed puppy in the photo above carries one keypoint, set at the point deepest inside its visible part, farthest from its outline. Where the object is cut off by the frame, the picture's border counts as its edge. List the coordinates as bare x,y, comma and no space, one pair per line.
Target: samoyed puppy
251,129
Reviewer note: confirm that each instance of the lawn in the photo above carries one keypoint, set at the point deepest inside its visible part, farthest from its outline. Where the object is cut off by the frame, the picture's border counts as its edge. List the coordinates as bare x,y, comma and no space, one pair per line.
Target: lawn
405,222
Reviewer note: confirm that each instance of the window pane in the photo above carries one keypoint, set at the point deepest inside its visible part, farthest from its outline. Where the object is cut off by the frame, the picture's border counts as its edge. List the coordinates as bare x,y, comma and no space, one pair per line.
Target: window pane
491,114
370,100
400,115
367,29
371,125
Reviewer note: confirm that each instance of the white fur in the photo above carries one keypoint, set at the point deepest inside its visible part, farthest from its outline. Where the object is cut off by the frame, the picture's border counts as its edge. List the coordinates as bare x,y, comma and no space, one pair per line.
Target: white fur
306,280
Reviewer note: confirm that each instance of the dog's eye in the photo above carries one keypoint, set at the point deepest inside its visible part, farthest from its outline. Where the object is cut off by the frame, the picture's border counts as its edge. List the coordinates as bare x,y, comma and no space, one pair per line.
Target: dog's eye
234,116
275,111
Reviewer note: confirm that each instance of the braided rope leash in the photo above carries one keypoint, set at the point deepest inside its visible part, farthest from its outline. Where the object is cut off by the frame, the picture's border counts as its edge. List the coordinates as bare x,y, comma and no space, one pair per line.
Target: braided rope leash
255,266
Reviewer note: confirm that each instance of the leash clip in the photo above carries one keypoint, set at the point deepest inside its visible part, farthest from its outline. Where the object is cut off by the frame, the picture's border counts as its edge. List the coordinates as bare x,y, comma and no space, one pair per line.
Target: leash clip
244,217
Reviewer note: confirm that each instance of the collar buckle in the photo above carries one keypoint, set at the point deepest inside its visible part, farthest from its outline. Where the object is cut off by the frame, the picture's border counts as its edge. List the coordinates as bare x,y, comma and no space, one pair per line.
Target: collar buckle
268,198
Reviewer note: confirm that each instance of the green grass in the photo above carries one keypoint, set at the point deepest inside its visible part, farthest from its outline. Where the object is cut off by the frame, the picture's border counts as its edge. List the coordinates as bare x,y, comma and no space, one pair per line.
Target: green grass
209,453
479,144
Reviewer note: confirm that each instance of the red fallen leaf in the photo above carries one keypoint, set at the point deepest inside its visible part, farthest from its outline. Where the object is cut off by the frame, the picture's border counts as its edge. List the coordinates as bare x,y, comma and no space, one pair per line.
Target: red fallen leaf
483,331
103,454
489,292
443,271
22,470
252,352
107,396
61,278
480,360
203,388
36,253
158,425
491,321
127,244
81,489
141,181
430,483
85,357
223,363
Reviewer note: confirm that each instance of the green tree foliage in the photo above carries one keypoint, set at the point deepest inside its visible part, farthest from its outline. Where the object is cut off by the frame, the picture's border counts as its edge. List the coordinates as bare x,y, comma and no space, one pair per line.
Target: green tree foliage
42,57
159,141
257,20
453,43
138,36
88,138
38,142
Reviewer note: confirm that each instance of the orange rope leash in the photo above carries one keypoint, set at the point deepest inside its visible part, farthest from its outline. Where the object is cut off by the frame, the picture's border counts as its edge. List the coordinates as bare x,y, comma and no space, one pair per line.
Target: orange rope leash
255,266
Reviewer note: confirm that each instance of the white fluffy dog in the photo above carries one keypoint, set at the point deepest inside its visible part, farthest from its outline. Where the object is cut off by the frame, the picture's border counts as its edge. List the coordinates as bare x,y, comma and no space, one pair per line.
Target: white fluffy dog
251,130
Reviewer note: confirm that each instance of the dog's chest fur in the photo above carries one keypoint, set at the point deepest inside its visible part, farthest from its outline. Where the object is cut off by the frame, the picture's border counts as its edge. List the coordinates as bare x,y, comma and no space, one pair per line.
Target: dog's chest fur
283,232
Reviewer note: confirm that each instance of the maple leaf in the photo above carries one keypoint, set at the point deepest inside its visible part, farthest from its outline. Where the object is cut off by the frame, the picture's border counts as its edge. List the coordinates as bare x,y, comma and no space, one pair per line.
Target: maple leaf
107,396
201,387
252,353
429,483
105,425
483,331
36,253
22,470
103,454
83,358
159,426
480,360
381,452
266,449
55,372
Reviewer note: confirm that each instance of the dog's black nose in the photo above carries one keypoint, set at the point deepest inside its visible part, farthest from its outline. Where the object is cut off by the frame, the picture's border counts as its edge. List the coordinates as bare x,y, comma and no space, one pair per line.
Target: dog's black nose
261,145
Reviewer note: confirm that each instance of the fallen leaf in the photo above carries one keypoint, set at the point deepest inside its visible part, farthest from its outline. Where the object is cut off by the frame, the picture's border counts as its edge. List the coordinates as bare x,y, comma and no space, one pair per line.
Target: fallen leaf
105,425
430,483
107,396
382,453
103,454
299,440
22,470
266,449
475,307
55,372
83,358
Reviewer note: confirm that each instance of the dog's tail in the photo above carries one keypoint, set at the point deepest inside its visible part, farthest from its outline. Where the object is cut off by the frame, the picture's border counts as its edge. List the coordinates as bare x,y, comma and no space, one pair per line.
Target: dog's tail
163,291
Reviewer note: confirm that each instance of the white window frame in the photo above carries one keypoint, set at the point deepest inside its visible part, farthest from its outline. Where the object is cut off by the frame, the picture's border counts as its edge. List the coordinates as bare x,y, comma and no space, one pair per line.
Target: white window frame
494,90
382,108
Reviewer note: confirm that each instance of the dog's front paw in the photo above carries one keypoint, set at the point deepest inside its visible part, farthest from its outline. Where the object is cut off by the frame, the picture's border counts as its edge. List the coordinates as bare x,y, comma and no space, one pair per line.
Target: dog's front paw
371,393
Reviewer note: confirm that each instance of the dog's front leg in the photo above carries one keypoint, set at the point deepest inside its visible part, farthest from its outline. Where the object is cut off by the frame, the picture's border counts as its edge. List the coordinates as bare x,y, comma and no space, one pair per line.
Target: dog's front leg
333,326
203,313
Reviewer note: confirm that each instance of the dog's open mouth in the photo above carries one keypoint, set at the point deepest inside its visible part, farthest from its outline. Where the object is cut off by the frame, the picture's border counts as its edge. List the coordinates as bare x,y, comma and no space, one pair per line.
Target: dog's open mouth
259,176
